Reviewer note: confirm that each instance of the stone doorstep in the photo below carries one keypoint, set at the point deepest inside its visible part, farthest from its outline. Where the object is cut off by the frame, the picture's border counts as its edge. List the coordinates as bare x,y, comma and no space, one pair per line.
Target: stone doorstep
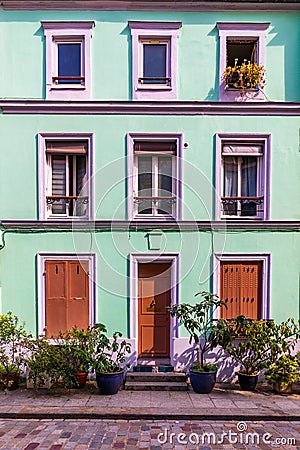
155,381
156,377
155,386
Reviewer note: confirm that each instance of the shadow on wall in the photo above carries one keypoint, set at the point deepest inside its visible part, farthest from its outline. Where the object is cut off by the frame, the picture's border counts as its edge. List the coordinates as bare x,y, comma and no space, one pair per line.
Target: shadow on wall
289,42
213,93
227,368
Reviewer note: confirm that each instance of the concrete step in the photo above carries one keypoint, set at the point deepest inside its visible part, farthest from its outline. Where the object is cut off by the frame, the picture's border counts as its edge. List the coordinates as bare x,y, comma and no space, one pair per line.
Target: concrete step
155,386
156,377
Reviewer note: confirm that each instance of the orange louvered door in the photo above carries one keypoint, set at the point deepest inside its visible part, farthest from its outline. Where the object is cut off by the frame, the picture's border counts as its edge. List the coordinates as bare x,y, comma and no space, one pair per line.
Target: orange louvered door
241,284
67,295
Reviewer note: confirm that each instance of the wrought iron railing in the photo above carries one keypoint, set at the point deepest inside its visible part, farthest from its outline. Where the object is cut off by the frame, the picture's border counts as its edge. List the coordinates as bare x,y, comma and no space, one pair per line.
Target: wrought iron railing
242,206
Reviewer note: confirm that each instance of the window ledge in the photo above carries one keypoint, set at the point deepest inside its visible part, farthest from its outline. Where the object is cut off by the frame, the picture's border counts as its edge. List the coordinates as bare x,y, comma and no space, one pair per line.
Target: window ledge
154,88
248,218
68,88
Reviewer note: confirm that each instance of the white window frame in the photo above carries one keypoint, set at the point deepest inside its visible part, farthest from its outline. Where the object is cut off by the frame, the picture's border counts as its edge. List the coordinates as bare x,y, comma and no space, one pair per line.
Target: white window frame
41,283
245,30
166,32
132,181
68,32
44,168
160,41
264,258
263,172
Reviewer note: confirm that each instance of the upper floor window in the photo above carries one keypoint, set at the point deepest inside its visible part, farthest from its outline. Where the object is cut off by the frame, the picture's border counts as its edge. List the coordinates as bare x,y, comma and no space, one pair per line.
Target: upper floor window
154,177
242,55
65,177
242,177
68,68
154,59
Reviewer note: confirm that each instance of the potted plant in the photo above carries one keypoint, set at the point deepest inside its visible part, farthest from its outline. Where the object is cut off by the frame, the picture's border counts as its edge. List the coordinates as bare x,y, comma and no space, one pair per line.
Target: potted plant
42,363
284,368
76,347
254,344
108,359
197,320
12,349
283,373
245,76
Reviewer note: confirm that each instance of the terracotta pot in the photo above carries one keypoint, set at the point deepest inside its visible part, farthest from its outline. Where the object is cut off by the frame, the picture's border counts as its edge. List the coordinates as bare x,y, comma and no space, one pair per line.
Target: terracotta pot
81,379
283,389
10,383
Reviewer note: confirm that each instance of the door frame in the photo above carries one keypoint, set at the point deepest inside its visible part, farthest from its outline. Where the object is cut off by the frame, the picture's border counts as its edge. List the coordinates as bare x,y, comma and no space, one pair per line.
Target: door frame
264,258
135,259
41,283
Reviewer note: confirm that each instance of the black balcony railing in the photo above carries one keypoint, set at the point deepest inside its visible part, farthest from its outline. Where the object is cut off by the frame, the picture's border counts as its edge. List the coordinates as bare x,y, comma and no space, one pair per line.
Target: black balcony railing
242,206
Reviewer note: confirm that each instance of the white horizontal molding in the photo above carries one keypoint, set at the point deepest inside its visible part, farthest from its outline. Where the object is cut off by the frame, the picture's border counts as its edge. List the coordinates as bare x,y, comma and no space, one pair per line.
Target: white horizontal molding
149,107
153,5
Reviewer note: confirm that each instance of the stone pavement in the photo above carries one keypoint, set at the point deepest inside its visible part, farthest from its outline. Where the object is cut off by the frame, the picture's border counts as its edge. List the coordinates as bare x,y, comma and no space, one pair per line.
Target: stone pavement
225,402
95,434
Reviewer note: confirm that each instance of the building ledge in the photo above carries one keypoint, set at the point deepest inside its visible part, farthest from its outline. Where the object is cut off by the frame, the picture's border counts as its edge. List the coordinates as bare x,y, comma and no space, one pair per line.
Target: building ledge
153,5
148,107
124,225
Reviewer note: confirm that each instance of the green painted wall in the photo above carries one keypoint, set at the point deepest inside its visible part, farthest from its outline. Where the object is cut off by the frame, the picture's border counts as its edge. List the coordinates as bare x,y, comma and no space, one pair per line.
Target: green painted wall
22,71
19,268
20,162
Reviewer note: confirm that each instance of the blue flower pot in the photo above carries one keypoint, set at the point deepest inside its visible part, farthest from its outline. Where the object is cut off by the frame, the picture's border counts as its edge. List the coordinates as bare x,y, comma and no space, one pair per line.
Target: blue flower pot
202,382
109,383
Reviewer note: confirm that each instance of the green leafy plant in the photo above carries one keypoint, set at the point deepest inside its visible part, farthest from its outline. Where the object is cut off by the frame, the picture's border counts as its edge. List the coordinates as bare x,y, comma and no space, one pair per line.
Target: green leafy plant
13,338
285,370
197,320
43,362
77,346
68,354
245,76
255,344
109,355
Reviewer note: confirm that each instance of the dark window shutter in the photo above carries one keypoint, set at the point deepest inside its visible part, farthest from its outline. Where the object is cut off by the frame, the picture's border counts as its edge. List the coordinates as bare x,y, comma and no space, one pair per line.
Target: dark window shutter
168,147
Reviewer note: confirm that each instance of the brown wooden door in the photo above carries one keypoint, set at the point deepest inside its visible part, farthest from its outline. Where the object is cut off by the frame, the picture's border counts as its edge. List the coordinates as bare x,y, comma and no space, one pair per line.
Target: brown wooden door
67,295
241,289
154,295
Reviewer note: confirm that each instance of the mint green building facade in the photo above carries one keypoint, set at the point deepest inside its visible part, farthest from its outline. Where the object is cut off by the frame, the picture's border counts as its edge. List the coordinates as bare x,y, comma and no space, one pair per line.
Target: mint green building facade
109,115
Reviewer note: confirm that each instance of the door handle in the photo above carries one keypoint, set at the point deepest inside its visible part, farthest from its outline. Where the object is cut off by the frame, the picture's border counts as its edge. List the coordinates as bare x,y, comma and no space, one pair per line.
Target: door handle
78,298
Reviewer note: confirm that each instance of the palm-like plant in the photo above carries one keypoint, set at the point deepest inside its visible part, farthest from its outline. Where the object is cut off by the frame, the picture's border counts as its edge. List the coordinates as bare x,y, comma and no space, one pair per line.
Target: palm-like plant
197,320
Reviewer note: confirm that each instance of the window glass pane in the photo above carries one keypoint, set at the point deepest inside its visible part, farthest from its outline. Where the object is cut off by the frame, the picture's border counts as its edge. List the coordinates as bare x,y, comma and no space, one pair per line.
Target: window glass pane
249,184
69,62
144,184
165,184
155,67
230,184
81,188
59,183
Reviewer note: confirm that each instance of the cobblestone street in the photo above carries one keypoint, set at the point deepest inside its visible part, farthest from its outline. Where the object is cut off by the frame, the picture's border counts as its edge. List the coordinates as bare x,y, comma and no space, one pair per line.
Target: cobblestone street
131,434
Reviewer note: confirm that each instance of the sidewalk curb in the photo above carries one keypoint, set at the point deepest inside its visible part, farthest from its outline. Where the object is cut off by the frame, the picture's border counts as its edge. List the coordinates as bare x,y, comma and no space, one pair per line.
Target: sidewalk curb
140,413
